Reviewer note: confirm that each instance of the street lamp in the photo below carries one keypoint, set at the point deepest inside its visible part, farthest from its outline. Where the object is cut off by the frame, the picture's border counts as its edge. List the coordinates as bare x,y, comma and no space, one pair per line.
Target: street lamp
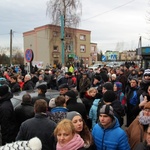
62,32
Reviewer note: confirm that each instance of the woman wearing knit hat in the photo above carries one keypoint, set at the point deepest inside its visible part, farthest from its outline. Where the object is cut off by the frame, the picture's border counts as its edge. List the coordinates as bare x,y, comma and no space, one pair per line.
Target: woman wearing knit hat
81,128
137,130
107,134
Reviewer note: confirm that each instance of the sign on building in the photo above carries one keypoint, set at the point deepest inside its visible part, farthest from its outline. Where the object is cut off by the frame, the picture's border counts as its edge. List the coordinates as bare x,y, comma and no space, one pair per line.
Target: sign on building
113,57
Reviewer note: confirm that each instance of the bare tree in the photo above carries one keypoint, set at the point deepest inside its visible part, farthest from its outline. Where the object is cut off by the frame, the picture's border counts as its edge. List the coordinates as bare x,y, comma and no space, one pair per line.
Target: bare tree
72,10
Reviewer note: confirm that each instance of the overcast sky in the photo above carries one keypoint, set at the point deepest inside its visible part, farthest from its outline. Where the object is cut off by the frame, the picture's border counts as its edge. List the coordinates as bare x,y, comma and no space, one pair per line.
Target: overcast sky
114,24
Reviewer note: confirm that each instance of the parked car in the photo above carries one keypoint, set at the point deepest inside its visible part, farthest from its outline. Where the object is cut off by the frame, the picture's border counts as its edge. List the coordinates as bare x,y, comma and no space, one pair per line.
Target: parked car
96,66
17,98
114,64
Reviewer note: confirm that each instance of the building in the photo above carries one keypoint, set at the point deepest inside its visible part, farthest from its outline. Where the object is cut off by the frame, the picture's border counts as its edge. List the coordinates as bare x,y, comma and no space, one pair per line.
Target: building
112,55
45,43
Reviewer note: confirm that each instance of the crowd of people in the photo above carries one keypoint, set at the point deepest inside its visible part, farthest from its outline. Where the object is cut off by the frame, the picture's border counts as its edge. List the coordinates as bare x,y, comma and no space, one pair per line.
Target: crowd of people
90,112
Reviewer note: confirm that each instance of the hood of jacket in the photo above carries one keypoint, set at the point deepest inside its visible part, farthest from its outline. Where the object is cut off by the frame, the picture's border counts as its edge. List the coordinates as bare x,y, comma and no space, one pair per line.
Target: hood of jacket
6,97
59,109
95,102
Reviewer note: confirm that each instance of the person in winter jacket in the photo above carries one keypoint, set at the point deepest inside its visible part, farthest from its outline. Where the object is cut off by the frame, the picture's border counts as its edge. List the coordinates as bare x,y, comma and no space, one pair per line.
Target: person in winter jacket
93,112
145,145
73,105
82,129
25,110
120,95
89,98
107,134
40,126
7,116
59,111
28,84
106,86
84,84
14,85
138,128
40,81
132,100
42,89
109,98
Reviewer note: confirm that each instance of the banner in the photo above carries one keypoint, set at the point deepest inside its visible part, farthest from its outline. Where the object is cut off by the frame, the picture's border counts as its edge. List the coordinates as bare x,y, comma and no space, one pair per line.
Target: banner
39,64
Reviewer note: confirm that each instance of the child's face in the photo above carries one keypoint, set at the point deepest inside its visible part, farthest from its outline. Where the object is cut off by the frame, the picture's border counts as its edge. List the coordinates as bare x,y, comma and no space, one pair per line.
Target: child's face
93,93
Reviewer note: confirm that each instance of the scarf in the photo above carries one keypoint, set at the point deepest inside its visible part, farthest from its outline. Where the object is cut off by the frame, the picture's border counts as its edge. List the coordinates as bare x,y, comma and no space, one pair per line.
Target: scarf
76,143
144,120
145,81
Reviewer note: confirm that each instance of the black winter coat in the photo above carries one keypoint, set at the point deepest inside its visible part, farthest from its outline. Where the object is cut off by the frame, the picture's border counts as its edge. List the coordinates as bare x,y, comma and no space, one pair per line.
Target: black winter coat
29,85
23,112
7,119
41,127
40,96
15,87
73,105
119,111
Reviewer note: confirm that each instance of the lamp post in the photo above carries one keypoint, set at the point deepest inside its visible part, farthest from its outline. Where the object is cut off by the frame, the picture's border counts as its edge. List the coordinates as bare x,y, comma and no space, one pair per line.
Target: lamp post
62,32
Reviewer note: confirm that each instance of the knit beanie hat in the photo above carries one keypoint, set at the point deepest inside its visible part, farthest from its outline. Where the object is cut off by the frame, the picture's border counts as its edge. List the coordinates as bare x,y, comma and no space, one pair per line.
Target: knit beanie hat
32,144
136,80
147,72
4,89
42,87
109,96
108,86
113,75
52,103
97,77
71,93
70,115
108,110
147,105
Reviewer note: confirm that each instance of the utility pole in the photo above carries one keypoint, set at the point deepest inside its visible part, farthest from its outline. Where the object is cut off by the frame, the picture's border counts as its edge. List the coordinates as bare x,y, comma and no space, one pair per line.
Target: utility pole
11,47
62,33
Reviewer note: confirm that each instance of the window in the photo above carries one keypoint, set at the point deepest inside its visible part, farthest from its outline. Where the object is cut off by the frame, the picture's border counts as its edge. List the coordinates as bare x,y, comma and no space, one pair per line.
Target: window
55,33
68,35
68,48
82,48
55,48
82,37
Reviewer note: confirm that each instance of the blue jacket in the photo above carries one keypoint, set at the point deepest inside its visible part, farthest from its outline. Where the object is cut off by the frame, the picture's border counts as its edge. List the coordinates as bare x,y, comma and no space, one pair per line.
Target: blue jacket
93,112
112,138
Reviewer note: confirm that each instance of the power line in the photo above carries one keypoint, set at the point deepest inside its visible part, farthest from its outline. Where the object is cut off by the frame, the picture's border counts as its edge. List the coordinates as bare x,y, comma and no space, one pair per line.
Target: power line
109,10
5,34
